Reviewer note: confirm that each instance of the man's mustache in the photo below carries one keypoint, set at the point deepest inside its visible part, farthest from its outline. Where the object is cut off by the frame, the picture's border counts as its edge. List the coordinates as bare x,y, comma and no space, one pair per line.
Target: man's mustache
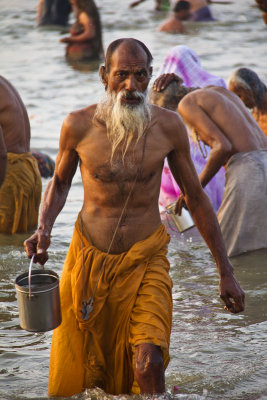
131,95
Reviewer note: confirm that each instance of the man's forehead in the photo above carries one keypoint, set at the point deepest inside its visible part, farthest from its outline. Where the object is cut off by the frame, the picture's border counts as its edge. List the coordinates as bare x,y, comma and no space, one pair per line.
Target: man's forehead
129,55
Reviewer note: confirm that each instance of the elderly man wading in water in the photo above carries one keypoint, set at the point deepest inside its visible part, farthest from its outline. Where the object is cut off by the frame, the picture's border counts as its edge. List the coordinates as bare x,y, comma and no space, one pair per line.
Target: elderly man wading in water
115,285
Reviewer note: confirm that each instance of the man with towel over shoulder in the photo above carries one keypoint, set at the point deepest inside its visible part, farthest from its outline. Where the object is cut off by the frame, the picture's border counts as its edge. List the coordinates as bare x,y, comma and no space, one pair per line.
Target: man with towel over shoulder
115,286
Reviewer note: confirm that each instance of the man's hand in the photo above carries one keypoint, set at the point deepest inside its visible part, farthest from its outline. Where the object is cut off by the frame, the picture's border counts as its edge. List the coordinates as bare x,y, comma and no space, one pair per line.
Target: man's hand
37,245
180,203
232,294
164,80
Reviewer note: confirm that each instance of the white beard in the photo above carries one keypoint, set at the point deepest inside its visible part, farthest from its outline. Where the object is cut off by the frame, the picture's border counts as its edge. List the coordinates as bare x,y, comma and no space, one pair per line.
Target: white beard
124,122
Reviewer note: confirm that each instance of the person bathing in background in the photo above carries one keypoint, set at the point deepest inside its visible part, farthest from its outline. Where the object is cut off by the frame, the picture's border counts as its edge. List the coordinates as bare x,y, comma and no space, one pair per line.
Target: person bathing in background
115,287
85,41
53,12
181,12
184,62
200,11
221,120
252,91
20,180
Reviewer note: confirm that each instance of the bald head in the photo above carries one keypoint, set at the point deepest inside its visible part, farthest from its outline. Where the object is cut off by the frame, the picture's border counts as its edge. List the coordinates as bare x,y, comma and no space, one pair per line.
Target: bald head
128,44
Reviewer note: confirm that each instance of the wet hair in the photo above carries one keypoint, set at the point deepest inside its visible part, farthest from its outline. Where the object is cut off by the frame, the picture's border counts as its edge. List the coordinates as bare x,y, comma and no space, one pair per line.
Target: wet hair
249,80
90,8
181,6
171,96
114,45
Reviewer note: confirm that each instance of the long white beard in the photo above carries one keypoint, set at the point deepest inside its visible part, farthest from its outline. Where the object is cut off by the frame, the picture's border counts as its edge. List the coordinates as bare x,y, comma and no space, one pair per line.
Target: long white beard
124,122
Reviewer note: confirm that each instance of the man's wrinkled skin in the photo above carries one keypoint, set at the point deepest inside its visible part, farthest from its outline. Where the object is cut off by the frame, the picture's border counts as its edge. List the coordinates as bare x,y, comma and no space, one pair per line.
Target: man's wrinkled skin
107,185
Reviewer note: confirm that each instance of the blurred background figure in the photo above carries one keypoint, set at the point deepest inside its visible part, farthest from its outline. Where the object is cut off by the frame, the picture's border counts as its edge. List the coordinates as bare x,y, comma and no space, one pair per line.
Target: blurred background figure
85,41
252,91
262,4
181,12
184,62
20,180
200,11
160,5
53,12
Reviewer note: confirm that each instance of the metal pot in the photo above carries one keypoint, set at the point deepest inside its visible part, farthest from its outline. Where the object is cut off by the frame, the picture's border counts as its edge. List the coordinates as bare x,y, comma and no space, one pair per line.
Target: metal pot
183,221
38,300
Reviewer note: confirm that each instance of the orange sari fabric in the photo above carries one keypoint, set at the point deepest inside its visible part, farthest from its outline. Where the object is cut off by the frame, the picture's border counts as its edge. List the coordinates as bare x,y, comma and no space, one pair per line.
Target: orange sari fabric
132,305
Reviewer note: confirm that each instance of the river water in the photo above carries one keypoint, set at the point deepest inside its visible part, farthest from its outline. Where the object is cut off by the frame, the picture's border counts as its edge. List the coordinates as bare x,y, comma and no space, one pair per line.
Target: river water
214,354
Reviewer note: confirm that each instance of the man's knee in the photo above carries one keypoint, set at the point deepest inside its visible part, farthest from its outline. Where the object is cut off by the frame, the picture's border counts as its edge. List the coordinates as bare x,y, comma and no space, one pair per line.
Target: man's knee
148,361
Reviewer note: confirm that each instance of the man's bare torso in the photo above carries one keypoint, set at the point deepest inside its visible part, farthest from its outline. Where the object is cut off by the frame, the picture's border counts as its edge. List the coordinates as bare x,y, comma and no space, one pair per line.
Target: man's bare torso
14,120
106,186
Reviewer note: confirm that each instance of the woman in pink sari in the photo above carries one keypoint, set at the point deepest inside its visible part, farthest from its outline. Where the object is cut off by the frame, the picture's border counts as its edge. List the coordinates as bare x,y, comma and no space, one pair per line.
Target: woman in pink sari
185,63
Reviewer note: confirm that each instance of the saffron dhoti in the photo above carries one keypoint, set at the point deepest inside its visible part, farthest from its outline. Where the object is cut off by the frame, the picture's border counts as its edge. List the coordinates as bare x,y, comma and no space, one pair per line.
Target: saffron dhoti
20,194
132,305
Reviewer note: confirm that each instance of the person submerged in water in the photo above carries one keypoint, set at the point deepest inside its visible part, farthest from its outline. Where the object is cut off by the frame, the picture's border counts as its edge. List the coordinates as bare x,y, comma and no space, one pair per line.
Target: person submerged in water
115,287
181,12
85,41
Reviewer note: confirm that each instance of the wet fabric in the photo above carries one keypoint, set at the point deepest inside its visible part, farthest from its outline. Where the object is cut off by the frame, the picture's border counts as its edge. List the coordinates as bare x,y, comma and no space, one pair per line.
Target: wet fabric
202,15
132,305
20,194
170,191
243,213
185,63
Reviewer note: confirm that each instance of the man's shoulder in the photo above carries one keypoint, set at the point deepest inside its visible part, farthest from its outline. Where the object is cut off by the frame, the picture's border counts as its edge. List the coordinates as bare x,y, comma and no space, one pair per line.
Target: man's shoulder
78,118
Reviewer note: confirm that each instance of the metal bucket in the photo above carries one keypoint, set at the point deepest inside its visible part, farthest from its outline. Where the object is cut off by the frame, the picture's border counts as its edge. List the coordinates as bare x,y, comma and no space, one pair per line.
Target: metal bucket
38,300
183,221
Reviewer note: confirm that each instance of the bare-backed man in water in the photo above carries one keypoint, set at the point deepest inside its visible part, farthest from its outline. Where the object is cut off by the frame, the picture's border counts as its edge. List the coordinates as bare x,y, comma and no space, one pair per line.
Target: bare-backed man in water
221,121
20,181
115,285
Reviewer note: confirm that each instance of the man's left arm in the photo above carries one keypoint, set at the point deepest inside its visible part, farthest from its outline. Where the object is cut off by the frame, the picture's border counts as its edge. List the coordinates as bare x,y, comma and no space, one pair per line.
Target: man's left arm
203,215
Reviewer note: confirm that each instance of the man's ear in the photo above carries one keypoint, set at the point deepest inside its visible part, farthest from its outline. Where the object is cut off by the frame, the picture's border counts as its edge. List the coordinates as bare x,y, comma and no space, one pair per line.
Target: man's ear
103,75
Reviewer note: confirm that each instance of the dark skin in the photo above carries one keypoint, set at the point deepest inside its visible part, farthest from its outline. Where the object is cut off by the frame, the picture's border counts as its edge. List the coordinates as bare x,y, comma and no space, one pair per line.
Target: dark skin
14,125
205,111
106,188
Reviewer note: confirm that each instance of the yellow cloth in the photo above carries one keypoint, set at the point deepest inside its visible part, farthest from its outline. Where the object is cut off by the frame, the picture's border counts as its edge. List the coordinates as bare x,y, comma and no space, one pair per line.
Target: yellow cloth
20,194
132,305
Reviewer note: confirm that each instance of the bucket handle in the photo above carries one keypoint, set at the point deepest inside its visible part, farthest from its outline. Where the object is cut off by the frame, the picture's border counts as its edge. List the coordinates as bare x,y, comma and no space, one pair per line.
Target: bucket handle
30,275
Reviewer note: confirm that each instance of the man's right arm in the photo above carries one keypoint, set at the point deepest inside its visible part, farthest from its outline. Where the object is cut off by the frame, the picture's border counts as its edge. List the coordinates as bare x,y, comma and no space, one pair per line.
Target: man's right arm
3,157
56,193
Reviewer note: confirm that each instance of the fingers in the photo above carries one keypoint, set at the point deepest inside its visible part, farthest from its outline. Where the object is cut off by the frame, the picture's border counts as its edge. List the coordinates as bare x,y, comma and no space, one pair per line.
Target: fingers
234,305
179,205
37,246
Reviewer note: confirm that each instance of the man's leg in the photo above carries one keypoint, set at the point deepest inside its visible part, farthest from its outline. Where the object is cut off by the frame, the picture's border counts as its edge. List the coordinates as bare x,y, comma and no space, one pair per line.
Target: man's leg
149,368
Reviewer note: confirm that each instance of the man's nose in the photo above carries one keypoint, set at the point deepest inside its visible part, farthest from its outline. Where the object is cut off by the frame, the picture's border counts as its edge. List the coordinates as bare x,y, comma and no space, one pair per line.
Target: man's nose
130,83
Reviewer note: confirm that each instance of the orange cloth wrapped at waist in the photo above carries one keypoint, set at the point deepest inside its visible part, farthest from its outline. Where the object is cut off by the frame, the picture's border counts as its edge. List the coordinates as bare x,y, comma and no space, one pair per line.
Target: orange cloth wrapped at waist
20,194
132,305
